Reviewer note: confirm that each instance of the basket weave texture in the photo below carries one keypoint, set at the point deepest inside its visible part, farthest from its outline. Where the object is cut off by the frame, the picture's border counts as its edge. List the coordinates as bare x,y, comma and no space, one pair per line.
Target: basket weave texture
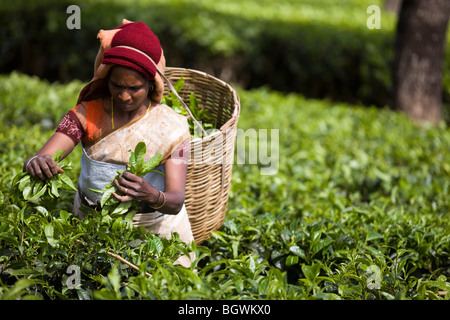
210,166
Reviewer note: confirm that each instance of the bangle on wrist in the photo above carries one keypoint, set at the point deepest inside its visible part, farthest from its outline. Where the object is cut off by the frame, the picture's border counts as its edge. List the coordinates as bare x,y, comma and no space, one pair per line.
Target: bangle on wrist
164,201
29,161
159,193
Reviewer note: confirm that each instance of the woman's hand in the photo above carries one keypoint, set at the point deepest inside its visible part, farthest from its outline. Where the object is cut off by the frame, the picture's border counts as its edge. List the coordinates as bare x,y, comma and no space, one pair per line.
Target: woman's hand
170,201
42,167
135,188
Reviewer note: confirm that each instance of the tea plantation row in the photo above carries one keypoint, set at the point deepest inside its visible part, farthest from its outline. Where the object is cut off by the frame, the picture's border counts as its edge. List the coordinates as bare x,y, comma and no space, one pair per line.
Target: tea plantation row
358,209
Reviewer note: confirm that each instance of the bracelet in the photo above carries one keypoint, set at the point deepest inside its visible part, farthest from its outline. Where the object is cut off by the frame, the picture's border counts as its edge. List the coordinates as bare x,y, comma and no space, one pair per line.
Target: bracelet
29,161
159,193
164,202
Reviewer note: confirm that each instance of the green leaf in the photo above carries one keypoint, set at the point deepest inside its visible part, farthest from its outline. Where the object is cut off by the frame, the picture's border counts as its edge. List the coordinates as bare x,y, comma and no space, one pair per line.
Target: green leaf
122,207
19,289
24,182
42,210
54,186
129,218
321,244
291,260
27,192
140,152
64,215
107,195
156,171
132,162
151,164
251,264
84,294
48,230
98,190
117,225
372,235
25,272
297,251
37,186
18,177
179,85
156,244
67,181
38,194
57,155
104,294
193,106
311,272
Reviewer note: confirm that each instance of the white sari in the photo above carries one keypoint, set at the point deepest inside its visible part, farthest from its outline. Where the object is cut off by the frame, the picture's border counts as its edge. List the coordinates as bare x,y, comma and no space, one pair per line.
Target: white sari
163,131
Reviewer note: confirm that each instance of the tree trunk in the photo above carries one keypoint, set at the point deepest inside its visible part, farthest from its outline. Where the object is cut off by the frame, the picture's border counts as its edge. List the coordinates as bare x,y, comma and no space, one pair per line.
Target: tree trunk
393,5
419,53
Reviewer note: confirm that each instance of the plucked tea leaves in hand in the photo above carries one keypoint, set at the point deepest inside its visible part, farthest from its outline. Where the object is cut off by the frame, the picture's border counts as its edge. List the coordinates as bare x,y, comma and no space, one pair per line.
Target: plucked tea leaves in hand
32,189
136,165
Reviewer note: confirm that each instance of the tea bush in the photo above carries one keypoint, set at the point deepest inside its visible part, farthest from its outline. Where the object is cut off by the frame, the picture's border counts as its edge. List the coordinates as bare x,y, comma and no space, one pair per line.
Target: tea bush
358,209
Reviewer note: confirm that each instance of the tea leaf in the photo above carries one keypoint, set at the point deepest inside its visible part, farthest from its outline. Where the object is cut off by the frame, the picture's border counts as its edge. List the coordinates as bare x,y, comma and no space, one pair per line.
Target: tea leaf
48,229
291,260
39,193
139,152
27,192
67,181
107,197
297,251
311,272
24,181
151,164
57,155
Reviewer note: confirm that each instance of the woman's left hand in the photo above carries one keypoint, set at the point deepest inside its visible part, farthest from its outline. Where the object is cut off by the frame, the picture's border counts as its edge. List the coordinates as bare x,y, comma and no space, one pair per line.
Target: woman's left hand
134,188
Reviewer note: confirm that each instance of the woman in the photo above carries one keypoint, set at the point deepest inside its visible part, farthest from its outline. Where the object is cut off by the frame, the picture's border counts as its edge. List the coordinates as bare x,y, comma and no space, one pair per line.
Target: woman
117,109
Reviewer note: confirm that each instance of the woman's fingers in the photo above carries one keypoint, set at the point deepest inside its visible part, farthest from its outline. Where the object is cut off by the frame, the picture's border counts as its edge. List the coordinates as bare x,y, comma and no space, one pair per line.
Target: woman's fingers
133,187
122,198
129,194
43,167
130,181
128,176
122,188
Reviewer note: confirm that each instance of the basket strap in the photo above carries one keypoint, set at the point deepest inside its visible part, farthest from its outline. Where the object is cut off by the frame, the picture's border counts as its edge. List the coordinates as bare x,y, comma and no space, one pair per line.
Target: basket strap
170,85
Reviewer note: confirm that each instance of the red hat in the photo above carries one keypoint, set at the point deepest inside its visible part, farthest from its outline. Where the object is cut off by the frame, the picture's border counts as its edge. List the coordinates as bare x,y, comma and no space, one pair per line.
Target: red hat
139,36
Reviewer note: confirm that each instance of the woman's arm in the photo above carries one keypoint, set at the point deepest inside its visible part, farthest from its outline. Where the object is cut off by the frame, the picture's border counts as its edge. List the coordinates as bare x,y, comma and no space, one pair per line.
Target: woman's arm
175,187
41,165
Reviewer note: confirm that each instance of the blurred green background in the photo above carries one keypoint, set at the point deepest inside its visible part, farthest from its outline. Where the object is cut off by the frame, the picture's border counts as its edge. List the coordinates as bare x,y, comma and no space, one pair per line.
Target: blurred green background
320,49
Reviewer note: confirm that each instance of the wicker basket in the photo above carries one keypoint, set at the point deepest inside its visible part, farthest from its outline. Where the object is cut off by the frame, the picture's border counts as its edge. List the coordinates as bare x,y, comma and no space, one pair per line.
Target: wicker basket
209,171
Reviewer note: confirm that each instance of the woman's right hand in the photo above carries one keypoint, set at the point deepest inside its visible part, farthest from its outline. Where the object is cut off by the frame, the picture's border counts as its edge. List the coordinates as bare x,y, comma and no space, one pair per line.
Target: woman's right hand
42,167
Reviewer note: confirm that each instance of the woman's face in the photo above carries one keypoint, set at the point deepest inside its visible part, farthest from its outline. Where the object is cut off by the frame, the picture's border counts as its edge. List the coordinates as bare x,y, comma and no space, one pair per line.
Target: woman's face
128,88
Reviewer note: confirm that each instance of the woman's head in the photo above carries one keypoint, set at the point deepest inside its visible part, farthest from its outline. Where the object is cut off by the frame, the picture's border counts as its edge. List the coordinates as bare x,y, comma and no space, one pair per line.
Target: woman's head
132,45
129,88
